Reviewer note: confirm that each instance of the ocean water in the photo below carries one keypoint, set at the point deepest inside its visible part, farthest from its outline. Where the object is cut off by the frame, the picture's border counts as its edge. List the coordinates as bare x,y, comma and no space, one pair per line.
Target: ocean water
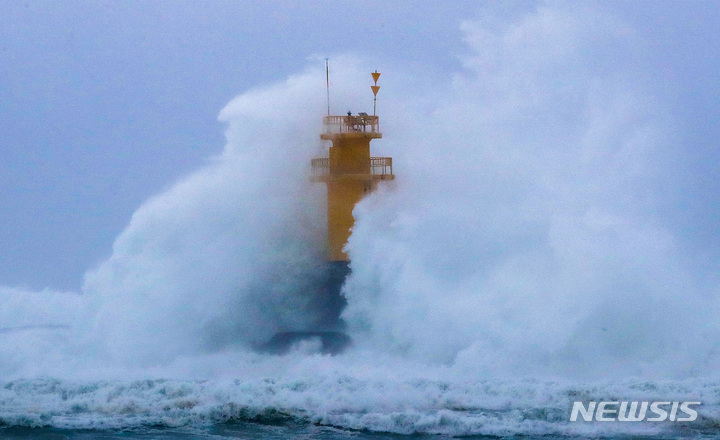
338,406
522,260
226,431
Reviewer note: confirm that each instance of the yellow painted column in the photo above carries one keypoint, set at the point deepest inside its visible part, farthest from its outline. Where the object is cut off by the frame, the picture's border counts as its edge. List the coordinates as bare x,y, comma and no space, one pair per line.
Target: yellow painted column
349,163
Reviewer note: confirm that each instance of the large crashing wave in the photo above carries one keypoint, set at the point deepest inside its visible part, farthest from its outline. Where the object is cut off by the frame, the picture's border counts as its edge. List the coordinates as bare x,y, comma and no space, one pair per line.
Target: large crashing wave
525,233
226,257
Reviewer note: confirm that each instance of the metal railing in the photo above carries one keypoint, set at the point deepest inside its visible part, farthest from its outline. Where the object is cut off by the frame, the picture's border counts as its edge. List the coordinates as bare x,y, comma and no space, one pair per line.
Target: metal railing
349,124
320,166
379,166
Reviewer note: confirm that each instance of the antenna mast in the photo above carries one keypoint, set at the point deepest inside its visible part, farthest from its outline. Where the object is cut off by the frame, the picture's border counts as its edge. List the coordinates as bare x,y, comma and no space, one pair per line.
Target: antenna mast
327,84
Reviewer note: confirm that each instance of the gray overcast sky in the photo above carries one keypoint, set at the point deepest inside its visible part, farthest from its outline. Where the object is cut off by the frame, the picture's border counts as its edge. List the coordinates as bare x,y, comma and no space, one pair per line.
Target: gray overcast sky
103,104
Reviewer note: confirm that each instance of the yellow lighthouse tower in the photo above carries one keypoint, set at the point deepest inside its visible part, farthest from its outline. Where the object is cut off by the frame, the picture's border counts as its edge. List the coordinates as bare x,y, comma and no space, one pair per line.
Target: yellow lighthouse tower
349,171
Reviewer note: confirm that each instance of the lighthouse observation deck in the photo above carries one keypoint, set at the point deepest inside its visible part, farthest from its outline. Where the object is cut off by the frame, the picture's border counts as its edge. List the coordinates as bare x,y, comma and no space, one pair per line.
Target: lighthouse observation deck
361,123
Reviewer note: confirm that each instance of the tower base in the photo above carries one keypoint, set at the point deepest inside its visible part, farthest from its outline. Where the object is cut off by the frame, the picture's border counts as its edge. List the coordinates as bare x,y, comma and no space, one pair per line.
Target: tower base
326,333
323,342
